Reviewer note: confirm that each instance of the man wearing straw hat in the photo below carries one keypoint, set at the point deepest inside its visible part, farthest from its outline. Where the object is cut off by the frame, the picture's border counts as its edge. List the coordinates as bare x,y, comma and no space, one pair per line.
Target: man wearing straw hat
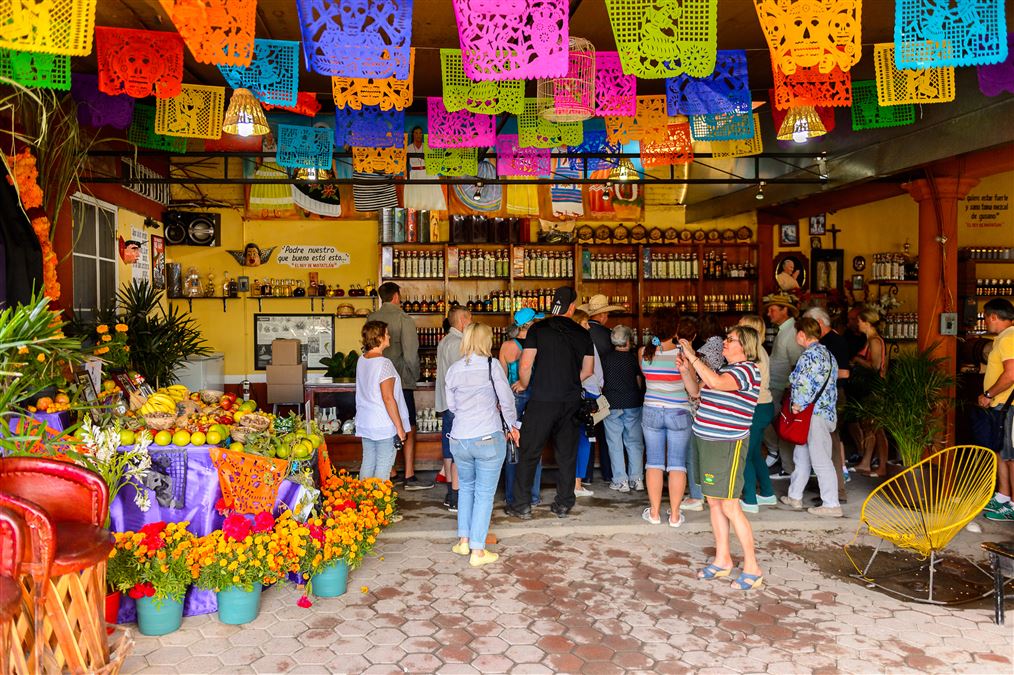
598,309
782,310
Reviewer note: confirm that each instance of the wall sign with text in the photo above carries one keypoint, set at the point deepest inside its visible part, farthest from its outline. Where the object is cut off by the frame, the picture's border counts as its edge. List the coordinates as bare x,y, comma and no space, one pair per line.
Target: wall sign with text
312,257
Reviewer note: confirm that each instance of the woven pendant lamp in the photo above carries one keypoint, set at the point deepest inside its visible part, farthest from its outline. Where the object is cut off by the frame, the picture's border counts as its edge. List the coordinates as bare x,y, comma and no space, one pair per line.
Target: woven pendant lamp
801,123
245,117
570,98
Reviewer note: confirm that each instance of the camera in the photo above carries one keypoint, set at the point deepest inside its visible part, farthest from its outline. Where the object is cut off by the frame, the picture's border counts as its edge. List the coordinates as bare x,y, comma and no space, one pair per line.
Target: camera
398,444
584,416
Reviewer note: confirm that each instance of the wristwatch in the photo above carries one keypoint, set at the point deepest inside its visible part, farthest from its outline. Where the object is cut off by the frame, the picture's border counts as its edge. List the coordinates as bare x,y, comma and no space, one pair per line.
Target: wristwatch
987,394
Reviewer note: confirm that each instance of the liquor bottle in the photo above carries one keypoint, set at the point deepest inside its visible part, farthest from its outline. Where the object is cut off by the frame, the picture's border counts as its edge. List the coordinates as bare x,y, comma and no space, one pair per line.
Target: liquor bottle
255,289
233,288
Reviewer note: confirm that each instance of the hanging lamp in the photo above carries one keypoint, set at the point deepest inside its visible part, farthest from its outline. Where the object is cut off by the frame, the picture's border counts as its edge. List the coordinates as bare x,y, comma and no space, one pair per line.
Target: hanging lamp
245,117
623,171
801,123
570,98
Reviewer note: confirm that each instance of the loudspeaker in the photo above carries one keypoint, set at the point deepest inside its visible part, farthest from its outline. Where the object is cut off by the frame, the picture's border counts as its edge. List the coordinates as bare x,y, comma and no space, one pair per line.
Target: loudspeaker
192,228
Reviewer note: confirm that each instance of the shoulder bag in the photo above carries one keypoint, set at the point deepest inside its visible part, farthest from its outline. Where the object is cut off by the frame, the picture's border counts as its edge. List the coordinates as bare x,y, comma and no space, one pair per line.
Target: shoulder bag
512,448
794,427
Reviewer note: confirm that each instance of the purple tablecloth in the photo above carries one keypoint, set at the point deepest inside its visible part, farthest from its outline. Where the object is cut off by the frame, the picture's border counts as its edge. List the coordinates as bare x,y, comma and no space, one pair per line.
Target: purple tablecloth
55,421
202,492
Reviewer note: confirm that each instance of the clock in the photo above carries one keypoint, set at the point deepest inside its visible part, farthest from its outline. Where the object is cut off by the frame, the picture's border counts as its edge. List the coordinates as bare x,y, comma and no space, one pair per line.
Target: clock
858,263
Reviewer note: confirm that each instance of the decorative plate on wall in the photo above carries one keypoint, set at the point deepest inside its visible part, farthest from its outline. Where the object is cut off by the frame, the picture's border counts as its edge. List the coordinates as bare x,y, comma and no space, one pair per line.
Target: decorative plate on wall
699,235
638,233
859,263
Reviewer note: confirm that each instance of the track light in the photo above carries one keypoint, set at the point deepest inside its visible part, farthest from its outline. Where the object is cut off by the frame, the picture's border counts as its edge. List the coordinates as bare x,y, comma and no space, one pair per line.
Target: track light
760,192
478,191
822,168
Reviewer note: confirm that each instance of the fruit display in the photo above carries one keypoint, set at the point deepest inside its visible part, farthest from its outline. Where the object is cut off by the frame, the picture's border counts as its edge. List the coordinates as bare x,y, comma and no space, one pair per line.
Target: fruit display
54,404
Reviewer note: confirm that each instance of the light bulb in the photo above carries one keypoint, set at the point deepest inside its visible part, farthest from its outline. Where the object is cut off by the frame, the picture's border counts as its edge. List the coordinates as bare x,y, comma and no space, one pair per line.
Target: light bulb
245,128
760,192
478,191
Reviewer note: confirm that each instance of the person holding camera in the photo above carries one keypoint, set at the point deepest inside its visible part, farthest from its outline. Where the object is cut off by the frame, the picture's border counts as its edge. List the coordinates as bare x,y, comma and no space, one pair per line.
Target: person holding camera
478,395
381,412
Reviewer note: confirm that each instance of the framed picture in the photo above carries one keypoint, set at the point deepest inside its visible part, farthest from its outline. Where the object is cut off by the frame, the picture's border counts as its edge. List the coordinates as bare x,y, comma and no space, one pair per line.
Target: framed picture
858,282
828,270
157,262
314,331
816,242
791,272
87,387
788,234
818,225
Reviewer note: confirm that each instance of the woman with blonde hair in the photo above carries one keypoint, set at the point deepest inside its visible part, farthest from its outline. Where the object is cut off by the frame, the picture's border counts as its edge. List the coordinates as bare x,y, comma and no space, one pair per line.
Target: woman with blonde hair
756,470
381,411
873,356
482,402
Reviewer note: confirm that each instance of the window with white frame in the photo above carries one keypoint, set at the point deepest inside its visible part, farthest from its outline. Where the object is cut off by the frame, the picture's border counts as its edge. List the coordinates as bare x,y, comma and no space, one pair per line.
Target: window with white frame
94,255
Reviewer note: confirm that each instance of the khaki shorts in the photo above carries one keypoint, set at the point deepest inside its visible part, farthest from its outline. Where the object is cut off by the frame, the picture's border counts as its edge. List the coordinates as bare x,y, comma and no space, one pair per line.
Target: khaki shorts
720,466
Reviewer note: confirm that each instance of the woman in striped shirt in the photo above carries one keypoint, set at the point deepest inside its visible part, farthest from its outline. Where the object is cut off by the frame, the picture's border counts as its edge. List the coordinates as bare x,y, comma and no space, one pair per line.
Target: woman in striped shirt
665,419
721,432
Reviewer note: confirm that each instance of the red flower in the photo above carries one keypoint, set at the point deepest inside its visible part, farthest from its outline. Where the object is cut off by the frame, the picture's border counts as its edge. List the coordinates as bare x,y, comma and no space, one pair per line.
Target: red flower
149,589
145,590
221,506
263,522
153,528
304,602
345,505
317,532
236,527
153,542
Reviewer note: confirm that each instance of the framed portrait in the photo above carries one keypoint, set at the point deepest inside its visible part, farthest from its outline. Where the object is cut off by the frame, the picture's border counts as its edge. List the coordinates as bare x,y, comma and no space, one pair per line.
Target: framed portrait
788,234
315,332
791,272
828,270
818,225
158,281
816,242
858,282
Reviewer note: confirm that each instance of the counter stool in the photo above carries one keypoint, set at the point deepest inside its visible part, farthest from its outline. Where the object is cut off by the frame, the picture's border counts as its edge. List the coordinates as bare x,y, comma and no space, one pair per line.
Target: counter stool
68,618
13,536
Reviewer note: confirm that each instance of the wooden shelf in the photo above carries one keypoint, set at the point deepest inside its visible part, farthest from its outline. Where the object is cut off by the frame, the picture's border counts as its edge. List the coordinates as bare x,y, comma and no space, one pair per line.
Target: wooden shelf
893,282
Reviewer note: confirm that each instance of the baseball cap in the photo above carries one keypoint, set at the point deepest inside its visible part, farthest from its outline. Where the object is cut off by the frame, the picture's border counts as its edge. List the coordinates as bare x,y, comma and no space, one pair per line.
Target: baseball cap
526,315
562,299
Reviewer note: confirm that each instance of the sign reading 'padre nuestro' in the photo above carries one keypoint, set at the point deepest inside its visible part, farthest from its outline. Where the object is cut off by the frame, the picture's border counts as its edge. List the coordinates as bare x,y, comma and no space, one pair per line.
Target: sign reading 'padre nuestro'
312,257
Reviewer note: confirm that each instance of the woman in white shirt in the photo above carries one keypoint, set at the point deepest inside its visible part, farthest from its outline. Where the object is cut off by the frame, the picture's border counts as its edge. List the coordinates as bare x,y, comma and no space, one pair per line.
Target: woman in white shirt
482,402
381,412
592,389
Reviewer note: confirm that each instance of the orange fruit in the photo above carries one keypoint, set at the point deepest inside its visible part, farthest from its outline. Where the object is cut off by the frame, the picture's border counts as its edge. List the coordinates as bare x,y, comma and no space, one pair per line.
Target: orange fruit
43,403
62,399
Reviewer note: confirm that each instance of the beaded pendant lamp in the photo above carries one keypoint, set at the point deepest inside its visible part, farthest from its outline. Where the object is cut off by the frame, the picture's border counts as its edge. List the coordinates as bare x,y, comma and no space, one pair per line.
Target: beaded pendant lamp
801,124
245,117
570,98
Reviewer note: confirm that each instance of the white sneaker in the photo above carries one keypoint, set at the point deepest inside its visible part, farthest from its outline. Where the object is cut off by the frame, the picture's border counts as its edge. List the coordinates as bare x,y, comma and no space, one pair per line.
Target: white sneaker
620,487
749,508
677,523
583,492
637,485
692,505
766,501
771,460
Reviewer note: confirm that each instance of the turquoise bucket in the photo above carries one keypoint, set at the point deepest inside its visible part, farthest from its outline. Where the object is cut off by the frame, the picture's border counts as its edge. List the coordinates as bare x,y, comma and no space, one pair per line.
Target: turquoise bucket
237,606
158,617
331,581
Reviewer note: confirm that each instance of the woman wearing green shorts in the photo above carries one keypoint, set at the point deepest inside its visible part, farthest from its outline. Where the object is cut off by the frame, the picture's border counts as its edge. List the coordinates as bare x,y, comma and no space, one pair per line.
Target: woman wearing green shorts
728,397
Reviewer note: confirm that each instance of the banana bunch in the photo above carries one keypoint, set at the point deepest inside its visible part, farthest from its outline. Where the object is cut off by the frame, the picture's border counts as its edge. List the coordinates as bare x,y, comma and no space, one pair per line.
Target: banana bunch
158,402
176,392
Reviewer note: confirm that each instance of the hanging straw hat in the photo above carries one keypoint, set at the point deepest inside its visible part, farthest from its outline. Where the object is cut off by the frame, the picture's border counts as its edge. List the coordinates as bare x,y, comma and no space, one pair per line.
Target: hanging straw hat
599,304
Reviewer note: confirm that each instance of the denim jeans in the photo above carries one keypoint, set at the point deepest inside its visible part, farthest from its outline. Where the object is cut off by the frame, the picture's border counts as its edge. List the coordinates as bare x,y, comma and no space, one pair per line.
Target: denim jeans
520,401
478,461
446,423
667,433
378,458
623,430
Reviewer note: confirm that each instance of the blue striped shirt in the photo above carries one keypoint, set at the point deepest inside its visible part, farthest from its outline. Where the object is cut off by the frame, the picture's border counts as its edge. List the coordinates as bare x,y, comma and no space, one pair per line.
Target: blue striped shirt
663,382
726,415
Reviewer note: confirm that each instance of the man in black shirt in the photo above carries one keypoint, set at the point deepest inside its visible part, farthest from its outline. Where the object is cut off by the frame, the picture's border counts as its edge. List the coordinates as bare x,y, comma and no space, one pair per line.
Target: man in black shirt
839,348
598,309
558,355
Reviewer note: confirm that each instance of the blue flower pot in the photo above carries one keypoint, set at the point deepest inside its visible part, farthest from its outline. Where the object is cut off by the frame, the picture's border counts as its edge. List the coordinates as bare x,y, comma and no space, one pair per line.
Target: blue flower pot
331,581
237,606
158,617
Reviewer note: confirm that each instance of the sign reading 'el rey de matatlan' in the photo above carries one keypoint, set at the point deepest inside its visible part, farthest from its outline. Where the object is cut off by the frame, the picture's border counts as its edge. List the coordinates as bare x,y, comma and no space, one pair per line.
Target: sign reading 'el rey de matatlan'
313,257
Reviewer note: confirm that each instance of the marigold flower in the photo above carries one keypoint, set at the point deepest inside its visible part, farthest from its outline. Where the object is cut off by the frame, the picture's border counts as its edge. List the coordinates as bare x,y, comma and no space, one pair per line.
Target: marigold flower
22,350
107,338
102,350
40,358
102,329
121,328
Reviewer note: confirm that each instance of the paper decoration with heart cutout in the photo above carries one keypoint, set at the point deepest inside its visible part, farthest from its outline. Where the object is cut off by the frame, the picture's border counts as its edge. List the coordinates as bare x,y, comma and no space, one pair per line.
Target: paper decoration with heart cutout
535,131
722,127
727,90
678,148
650,122
595,142
461,129
306,105
369,128
36,69
809,86
486,97
615,91
139,62
196,112
513,39
663,38
272,76
744,147
867,113
220,32
999,77
379,160
385,93
936,34
894,87
304,147
357,38
451,161
49,26
513,160
820,34
95,109
142,132
825,113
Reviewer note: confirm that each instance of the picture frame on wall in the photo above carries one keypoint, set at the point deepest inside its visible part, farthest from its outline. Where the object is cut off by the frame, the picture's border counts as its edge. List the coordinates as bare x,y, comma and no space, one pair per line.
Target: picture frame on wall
788,234
315,333
158,276
818,225
858,282
827,270
792,272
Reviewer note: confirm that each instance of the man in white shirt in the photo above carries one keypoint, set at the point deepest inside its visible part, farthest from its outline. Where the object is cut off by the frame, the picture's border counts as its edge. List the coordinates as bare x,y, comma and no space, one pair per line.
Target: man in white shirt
782,311
449,351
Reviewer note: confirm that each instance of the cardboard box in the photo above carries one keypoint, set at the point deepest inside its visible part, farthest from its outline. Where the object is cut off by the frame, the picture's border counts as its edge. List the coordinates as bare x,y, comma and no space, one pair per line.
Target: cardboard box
292,374
285,393
286,352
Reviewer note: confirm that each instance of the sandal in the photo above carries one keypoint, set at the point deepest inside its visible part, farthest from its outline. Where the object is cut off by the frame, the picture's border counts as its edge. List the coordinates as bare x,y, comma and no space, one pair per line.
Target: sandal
713,571
646,515
746,582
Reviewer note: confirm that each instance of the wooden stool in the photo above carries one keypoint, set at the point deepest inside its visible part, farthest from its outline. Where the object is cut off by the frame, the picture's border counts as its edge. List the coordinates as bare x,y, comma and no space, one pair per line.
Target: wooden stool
13,536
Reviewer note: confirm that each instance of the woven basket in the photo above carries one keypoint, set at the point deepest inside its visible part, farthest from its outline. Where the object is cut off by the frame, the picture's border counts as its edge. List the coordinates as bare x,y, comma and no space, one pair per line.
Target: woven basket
255,421
160,421
211,395
241,434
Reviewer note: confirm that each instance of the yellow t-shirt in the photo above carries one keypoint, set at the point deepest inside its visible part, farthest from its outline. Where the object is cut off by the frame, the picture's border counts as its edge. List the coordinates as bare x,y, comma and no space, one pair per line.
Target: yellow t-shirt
1003,350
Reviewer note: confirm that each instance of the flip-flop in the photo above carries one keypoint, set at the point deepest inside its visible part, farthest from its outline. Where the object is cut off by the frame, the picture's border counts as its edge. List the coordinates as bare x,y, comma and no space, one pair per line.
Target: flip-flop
746,582
713,571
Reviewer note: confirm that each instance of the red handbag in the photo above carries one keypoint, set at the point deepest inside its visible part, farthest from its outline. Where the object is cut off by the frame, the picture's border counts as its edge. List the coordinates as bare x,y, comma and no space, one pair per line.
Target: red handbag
794,427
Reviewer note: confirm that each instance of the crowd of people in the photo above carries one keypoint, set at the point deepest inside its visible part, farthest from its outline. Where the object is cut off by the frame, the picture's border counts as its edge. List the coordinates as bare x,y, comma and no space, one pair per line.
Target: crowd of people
695,410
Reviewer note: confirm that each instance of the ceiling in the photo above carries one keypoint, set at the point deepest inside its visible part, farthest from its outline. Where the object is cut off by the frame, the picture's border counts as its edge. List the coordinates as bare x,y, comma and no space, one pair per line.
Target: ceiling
972,122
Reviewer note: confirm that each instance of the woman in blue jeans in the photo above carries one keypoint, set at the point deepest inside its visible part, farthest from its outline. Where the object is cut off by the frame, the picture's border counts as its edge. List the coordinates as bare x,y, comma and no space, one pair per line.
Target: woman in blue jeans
475,386
665,419
381,411
510,357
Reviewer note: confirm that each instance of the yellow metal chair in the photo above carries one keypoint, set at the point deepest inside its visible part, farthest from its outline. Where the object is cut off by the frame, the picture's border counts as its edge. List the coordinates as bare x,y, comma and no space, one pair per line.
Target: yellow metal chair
924,506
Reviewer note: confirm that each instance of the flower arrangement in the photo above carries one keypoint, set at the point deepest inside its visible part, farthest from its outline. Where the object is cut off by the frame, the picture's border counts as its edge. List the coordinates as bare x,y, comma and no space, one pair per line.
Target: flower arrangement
154,562
112,345
98,450
358,510
24,176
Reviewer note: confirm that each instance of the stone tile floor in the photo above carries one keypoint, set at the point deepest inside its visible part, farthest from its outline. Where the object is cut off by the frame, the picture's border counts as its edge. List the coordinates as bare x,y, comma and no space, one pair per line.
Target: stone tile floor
568,596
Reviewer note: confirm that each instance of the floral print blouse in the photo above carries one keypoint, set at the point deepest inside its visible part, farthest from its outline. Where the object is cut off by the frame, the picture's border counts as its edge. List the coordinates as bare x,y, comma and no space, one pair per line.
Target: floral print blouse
812,369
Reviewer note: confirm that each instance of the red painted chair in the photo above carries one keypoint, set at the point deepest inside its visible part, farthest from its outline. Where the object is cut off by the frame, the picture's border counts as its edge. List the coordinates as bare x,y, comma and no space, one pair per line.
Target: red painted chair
75,502
13,537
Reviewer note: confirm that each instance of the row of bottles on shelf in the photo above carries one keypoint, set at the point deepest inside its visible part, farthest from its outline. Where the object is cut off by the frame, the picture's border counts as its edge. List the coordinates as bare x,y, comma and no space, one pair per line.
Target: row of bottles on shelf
609,265
994,287
432,304
686,266
980,324
487,263
721,302
903,326
989,253
314,288
413,264
548,264
894,267
429,338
